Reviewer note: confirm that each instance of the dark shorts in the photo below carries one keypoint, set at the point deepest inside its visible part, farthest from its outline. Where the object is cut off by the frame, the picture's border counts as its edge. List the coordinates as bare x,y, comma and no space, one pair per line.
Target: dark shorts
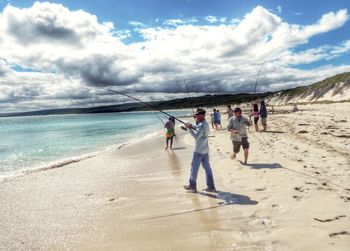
237,145
256,120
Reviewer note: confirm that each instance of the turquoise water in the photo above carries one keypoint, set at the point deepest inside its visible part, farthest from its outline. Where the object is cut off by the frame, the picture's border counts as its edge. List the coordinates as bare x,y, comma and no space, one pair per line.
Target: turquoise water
27,142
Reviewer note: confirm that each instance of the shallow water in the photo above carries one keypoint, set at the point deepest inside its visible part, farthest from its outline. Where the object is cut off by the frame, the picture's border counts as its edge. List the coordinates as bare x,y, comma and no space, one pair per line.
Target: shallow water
33,141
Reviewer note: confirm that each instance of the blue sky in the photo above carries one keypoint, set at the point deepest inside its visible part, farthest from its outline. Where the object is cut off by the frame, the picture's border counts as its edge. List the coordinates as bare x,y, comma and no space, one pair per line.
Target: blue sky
149,47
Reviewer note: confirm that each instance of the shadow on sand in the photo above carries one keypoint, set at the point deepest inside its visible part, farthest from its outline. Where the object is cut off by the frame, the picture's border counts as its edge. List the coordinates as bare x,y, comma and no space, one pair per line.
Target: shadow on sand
275,131
179,148
228,198
262,165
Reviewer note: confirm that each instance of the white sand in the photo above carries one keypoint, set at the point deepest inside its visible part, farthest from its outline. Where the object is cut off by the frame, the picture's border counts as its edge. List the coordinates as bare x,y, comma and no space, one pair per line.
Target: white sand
132,198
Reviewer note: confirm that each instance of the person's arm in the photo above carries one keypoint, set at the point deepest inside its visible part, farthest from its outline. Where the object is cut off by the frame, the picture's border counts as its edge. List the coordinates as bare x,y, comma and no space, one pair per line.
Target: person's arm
195,133
247,122
230,127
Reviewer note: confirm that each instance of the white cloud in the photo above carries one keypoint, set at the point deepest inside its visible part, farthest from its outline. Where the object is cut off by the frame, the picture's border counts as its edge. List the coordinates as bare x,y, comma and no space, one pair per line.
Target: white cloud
178,22
76,56
211,19
136,23
279,9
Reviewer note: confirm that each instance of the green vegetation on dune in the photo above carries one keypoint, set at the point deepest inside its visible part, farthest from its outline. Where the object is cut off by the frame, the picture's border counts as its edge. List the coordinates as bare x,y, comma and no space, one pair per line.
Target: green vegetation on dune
317,90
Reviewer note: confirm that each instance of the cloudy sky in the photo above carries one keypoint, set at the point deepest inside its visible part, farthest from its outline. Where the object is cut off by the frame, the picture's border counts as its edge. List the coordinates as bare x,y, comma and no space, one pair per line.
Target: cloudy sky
67,53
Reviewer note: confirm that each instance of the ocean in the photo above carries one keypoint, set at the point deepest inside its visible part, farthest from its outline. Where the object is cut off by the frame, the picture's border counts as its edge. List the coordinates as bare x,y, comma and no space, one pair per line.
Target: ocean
37,142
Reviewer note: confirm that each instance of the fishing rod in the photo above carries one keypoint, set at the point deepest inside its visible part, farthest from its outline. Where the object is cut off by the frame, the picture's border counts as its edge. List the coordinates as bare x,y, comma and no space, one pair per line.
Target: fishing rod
256,84
257,78
188,94
149,106
155,114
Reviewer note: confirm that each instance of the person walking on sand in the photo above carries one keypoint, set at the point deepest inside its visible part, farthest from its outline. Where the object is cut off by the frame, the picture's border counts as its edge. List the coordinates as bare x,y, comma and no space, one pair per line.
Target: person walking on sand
212,118
216,119
237,126
200,133
170,133
229,112
255,114
263,114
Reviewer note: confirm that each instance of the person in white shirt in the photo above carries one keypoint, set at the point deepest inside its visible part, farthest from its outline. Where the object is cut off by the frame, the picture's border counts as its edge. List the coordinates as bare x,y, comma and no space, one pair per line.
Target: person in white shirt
200,133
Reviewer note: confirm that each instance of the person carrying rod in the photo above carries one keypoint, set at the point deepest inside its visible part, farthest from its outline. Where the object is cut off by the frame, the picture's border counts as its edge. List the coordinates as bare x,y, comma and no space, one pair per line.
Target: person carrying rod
201,152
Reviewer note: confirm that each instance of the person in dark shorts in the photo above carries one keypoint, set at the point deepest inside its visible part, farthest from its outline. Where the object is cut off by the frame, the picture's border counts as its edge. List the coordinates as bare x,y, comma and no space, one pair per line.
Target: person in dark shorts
263,115
255,114
237,126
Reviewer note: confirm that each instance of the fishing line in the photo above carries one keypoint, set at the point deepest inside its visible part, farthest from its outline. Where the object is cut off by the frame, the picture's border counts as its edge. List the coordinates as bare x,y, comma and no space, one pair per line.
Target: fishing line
188,94
149,106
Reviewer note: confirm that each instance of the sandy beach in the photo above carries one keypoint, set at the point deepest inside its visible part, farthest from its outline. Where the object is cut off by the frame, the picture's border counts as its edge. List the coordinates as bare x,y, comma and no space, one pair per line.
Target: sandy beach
294,194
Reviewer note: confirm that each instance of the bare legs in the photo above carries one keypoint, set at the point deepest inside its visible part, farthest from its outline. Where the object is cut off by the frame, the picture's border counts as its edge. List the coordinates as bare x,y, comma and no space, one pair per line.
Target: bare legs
171,143
246,153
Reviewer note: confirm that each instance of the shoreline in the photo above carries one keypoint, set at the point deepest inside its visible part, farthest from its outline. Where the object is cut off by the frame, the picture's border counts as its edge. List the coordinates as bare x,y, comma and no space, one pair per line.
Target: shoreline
59,163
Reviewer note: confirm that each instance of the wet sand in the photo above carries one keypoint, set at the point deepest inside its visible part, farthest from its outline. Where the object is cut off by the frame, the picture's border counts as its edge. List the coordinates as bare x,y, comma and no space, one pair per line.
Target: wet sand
294,194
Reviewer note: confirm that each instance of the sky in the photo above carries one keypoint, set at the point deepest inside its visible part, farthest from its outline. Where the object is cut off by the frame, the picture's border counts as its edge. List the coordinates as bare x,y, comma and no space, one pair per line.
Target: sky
62,54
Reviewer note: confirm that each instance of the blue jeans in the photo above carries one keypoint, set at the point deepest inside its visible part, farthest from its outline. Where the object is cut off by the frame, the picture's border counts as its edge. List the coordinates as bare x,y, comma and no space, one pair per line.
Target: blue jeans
196,161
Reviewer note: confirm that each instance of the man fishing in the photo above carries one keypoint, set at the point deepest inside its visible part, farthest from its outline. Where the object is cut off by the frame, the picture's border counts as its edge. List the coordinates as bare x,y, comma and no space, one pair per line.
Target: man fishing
200,133
237,126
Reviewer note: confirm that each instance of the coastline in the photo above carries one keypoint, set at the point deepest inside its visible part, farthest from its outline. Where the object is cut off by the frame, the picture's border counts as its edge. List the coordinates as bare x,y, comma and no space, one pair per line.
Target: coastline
59,163
292,195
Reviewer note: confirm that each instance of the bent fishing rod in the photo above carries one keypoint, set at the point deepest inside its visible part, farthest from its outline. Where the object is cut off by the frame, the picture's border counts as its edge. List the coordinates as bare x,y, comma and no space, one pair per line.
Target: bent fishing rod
149,106
257,78
256,84
188,94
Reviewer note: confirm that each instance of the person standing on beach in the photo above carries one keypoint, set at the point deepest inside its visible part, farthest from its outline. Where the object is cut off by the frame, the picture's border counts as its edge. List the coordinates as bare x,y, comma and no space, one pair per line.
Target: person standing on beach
263,114
229,112
237,126
216,119
212,118
219,119
200,133
255,114
170,133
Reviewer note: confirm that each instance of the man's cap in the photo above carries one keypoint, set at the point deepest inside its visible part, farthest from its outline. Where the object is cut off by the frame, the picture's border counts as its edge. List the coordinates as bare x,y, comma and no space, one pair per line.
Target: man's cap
237,110
200,111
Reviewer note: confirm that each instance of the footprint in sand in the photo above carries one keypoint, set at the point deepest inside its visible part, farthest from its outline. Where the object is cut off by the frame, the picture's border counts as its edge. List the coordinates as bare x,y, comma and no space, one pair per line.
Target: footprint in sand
297,197
339,233
260,189
310,183
329,220
345,198
299,189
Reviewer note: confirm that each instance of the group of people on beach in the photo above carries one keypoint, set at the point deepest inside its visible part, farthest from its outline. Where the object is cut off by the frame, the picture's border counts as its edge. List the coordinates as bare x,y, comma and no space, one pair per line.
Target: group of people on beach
261,113
236,125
